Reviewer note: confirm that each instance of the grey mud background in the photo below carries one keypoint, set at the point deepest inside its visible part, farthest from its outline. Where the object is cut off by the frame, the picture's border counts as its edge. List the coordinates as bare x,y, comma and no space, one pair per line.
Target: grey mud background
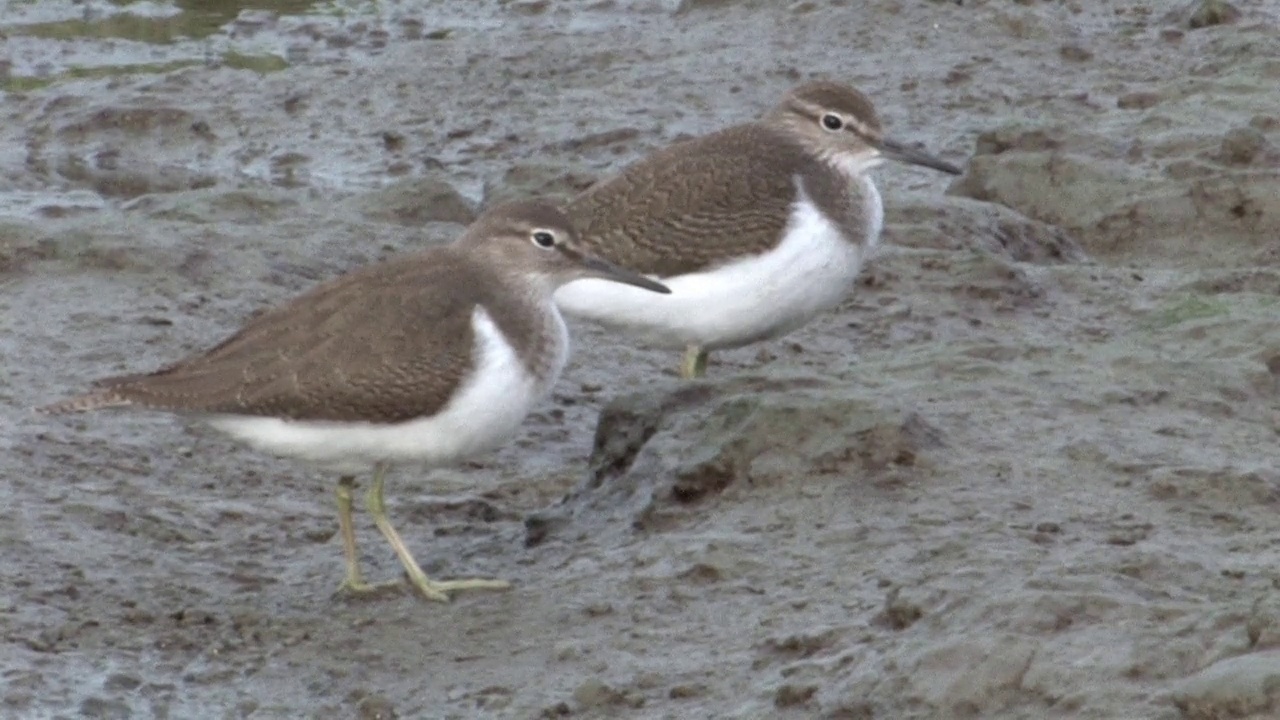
1029,470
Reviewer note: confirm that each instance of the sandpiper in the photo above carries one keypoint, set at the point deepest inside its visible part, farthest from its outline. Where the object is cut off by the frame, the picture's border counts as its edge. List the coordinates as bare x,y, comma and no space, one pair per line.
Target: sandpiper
427,359
756,228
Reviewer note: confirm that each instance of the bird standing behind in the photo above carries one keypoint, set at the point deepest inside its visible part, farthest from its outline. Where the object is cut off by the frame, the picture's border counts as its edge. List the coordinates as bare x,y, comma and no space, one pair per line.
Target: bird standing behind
756,228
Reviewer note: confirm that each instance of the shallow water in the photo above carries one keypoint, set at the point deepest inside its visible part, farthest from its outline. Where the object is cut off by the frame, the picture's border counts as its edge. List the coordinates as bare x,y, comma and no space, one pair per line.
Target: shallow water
117,39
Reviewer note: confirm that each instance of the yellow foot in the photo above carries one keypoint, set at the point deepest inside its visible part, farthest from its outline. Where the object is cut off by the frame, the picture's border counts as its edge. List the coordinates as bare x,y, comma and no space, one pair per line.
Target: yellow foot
694,363
439,590
350,587
430,589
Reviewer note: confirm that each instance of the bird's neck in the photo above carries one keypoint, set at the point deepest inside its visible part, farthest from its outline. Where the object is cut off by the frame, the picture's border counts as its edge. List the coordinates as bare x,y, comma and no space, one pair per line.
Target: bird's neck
531,285
523,309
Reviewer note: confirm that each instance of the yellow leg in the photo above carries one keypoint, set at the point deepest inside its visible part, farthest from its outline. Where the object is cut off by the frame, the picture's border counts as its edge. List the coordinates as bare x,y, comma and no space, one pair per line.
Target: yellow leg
354,582
694,364
430,589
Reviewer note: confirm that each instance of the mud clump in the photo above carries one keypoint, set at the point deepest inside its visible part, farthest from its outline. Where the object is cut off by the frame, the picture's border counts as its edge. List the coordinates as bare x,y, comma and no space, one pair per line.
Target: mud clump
414,202
1199,14
660,456
530,179
1050,175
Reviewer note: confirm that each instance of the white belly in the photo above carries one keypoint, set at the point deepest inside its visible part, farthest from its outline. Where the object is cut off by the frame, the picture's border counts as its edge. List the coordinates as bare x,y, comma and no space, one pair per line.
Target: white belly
745,301
484,414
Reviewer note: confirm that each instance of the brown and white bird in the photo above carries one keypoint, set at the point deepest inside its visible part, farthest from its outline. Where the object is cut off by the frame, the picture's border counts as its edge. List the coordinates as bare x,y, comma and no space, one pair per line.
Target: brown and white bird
756,228
427,359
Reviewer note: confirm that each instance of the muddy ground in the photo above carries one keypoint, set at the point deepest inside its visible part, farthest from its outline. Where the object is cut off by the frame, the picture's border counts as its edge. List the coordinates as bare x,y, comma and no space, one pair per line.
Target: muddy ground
1029,470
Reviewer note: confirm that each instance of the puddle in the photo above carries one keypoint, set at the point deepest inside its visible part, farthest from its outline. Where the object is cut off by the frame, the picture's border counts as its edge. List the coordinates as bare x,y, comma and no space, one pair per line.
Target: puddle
46,43
152,23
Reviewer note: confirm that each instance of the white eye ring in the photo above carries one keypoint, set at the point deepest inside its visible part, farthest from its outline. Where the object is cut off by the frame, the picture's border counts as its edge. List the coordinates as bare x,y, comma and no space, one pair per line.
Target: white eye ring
832,122
543,239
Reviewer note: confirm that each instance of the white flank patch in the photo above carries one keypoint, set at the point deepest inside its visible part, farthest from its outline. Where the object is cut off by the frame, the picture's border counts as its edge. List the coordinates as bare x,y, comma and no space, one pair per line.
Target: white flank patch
756,298
486,412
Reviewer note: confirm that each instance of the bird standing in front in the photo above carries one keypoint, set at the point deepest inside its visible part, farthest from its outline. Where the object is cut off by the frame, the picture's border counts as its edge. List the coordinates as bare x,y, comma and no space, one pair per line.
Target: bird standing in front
426,359
756,228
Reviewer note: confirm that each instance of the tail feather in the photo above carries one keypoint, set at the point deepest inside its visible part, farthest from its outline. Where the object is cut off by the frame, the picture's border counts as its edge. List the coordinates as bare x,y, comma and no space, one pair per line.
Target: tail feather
84,403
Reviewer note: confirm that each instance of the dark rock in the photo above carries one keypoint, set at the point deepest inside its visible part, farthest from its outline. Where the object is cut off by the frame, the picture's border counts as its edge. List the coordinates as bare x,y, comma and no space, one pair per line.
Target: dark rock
1075,53
788,695
1241,146
1138,100
1207,13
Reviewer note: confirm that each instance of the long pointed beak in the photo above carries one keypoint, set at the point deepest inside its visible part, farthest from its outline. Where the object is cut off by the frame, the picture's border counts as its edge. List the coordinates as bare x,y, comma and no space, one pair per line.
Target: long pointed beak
609,271
896,151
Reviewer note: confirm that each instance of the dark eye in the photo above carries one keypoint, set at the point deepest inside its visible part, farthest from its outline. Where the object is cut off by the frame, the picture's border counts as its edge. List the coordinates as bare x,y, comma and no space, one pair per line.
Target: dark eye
832,122
544,239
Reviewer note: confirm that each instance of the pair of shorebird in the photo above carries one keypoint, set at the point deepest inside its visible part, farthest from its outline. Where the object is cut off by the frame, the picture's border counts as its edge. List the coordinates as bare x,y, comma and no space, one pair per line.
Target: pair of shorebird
717,242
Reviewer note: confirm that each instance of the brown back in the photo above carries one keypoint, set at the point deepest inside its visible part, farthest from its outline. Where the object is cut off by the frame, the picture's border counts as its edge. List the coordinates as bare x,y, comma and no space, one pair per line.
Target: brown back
703,202
386,343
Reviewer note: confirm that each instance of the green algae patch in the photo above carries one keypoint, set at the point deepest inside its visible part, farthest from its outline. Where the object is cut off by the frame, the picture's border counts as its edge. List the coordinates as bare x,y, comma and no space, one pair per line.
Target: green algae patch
124,26
25,83
261,64
198,19
1185,310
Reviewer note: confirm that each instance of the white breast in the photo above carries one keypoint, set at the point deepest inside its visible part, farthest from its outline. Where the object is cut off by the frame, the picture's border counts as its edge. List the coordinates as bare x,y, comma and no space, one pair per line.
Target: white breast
751,299
485,413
